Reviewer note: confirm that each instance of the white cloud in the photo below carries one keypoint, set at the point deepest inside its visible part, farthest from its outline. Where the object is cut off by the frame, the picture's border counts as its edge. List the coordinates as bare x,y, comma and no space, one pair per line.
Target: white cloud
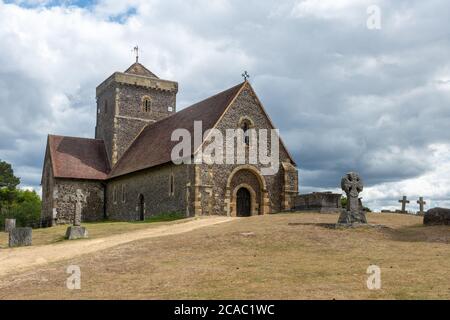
345,98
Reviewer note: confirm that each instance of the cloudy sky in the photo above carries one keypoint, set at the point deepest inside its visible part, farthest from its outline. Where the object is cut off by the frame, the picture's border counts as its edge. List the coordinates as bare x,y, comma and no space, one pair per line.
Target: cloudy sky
345,94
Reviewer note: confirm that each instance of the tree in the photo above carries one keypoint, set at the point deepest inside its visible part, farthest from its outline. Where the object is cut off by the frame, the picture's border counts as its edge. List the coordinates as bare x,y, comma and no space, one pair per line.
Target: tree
7,177
22,205
8,183
26,208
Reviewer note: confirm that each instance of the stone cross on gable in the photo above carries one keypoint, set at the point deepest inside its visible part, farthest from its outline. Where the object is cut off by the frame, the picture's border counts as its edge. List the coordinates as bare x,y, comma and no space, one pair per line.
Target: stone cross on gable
245,75
421,205
404,201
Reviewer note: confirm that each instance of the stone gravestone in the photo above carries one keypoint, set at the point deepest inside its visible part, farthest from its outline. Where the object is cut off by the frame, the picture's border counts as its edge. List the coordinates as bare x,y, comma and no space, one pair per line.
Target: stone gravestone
77,231
10,224
437,216
404,201
19,237
352,185
421,204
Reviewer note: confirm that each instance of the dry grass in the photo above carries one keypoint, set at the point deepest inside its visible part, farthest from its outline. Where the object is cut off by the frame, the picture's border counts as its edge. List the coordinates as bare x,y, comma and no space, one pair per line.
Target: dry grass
284,256
96,230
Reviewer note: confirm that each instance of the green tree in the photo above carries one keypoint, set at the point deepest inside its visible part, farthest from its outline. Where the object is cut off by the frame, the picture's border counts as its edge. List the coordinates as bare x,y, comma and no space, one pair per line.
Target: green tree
22,205
26,208
8,184
7,177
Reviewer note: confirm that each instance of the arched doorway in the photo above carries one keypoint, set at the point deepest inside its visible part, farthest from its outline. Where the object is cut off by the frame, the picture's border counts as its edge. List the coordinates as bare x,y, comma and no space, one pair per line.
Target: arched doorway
249,178
141,208
243,203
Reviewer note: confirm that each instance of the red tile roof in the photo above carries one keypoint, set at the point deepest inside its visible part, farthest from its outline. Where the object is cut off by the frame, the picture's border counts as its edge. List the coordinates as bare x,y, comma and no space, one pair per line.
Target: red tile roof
78,158
153,146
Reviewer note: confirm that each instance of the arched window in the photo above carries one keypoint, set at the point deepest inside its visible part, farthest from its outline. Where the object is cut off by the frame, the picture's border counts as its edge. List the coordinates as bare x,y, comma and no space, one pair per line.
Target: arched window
146,104
245,124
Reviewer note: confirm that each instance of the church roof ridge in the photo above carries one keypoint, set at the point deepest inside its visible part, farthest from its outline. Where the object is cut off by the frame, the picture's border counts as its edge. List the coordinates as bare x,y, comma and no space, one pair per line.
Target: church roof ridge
73,137
153,146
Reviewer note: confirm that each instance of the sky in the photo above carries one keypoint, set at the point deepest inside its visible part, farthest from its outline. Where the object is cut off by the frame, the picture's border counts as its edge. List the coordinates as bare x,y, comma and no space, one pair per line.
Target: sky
353,85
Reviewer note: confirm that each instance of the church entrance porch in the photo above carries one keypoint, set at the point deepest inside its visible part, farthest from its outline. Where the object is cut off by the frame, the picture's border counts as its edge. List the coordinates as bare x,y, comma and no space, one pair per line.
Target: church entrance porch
246,193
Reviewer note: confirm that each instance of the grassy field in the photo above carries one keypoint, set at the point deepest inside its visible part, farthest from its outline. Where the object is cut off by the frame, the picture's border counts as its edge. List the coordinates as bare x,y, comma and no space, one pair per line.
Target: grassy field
282,256
96,229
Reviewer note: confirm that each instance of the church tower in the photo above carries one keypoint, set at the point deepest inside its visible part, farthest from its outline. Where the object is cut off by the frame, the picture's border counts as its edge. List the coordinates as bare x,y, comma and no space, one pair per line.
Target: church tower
127,102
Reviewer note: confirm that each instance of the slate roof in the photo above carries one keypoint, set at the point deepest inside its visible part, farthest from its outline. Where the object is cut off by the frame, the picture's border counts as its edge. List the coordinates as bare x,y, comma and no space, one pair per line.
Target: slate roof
153,146
138,69
78,158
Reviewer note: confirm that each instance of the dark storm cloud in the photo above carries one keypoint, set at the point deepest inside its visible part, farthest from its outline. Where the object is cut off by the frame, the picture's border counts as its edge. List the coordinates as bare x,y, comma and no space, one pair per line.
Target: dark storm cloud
344,97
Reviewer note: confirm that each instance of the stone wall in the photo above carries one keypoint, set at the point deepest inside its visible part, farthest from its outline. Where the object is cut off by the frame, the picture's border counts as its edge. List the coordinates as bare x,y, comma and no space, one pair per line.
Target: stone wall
125,117
154,185
211,193
106,109
64,200
130,102
323,202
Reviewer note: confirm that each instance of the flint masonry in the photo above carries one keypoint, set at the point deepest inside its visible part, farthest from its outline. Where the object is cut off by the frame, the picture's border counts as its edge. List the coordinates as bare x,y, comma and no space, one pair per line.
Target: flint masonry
126,172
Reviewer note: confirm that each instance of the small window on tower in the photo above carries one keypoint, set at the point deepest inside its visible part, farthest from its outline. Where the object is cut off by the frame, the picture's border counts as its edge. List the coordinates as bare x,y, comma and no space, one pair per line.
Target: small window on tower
146,104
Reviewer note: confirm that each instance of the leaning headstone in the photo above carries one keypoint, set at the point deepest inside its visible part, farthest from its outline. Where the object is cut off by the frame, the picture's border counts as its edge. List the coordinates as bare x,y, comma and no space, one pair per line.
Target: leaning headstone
10,224
19,237
352,185
437,216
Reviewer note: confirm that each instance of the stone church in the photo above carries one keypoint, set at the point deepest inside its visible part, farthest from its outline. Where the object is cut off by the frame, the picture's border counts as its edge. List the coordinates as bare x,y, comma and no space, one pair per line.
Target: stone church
126,172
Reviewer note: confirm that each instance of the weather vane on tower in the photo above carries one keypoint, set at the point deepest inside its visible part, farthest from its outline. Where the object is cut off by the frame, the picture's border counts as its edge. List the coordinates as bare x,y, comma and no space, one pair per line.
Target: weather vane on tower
136,52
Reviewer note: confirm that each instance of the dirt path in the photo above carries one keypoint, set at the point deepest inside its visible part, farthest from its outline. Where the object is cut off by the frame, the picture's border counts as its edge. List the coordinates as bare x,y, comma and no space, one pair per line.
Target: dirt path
20,259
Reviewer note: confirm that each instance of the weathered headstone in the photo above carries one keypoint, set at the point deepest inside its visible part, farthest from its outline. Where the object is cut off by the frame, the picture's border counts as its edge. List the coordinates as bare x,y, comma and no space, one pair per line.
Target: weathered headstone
404,201
421,205
78,208
10,224
19,237
437,216
77,231
352,185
